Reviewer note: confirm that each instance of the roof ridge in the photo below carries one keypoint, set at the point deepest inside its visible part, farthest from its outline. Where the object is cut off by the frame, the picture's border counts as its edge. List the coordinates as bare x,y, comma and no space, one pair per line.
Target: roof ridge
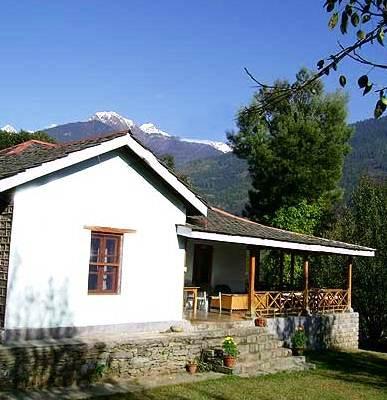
95,137
20,147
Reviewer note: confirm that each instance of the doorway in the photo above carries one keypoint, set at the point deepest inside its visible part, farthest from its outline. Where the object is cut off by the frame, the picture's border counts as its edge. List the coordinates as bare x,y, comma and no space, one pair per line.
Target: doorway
202,266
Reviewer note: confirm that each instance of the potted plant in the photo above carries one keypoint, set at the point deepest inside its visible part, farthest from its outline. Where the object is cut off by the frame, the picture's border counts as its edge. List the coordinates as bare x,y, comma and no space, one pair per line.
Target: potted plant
230,350
260,321
192,366
298,341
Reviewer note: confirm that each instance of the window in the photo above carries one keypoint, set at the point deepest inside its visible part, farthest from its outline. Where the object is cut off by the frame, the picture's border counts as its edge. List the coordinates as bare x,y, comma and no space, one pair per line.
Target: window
105,262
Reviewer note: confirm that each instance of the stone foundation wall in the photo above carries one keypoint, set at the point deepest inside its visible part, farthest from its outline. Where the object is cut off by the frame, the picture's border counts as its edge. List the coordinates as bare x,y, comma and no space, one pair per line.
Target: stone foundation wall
330,331
68,361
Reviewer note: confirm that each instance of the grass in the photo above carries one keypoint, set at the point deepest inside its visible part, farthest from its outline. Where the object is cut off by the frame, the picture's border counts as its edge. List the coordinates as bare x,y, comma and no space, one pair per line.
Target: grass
339,375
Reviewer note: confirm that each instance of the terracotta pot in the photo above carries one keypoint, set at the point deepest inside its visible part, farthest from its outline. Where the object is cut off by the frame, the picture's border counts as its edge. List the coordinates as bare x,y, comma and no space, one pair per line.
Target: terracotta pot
229,361
261,322
298,351
191,368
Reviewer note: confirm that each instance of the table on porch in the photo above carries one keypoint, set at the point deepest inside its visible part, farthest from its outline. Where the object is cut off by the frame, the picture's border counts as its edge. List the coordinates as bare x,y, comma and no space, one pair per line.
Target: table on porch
194,291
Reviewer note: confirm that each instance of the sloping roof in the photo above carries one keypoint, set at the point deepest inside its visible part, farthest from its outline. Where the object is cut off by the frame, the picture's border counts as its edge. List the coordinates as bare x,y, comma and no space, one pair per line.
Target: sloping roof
219,222
13,162
23,163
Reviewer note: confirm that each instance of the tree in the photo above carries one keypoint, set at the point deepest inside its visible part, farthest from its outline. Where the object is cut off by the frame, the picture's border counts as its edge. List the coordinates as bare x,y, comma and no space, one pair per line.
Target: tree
295,149
169,162
302,218
8,139
365,23
363,221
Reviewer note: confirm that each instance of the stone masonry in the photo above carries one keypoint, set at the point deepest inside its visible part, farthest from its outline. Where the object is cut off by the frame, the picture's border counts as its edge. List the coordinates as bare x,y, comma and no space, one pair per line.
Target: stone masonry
70,361
328,331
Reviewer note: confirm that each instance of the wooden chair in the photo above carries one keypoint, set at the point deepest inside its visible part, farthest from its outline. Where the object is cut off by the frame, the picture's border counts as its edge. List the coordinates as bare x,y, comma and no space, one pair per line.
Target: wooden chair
202,301
188,301
216,302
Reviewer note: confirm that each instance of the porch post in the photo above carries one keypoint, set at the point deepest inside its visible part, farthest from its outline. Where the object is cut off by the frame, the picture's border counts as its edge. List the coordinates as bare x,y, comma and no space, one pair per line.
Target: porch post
252,263
306,284
349,265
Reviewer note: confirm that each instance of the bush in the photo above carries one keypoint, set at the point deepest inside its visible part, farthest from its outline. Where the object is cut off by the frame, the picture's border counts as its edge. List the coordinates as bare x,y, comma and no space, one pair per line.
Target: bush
299,338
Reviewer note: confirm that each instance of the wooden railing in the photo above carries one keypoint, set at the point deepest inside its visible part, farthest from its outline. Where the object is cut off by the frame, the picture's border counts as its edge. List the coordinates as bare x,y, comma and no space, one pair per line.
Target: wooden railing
275,303
328,300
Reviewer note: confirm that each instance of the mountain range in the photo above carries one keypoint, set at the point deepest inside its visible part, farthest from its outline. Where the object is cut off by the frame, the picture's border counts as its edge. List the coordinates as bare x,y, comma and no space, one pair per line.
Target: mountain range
160,142
215,172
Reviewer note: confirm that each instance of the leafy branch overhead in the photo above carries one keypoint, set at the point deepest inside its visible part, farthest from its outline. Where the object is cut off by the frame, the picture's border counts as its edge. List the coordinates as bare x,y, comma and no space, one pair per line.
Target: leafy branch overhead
364,22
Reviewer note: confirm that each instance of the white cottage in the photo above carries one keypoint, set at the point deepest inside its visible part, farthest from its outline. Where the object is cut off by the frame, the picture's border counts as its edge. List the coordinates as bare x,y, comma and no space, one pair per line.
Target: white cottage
99,235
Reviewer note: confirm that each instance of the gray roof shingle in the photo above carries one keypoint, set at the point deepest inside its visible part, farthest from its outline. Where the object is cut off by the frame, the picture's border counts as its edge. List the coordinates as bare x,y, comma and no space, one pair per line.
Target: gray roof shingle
221,222
35,155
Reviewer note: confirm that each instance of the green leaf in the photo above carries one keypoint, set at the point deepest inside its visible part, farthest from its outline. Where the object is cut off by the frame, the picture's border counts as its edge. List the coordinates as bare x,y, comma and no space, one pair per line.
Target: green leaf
379,109
344,23
355,19
384,100
348,9
362,81
380,36
320,64
342,80
367,89
333,20
360,35
330,6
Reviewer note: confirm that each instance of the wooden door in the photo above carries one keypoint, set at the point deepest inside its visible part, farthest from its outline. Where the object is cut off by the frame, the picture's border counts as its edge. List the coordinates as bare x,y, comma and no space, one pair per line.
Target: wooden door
202,266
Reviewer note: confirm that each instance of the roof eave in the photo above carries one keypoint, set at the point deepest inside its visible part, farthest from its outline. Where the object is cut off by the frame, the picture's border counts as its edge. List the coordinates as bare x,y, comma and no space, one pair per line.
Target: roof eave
187,232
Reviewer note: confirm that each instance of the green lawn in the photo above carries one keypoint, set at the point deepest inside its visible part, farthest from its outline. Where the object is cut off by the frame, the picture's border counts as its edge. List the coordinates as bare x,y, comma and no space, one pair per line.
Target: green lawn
358,375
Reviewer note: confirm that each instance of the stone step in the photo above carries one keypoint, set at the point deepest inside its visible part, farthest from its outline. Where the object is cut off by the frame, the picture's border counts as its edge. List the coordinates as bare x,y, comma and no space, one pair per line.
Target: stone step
274,365
200,326
265,355
259,347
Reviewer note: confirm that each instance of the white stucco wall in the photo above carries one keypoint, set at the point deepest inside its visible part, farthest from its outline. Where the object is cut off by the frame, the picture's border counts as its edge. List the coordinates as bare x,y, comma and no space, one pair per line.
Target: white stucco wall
228,265
49,262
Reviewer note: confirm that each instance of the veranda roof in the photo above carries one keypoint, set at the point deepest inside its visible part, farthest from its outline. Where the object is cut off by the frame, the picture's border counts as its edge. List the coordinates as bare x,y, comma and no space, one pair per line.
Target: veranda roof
221,226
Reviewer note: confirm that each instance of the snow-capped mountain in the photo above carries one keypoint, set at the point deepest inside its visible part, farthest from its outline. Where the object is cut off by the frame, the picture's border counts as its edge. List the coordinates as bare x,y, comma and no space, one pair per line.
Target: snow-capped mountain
113,119
9,128
152,129
223,147
157,140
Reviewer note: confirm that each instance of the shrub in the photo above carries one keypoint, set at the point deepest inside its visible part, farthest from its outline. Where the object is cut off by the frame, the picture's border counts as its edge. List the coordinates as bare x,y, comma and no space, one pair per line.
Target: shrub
299,338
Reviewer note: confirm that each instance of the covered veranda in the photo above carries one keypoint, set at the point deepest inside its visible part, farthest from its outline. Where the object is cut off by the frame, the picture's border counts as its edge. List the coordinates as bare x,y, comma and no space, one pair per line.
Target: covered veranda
224,256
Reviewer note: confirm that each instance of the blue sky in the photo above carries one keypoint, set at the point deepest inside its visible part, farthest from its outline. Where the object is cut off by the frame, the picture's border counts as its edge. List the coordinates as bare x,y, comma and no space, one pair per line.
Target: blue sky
176,63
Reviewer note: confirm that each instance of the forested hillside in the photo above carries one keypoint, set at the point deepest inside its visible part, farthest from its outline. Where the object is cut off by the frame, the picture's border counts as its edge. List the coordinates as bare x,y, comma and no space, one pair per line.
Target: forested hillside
369,153
224,180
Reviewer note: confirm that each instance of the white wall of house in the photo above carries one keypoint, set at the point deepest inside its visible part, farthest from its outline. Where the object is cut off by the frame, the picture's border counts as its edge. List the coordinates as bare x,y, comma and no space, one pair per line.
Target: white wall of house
228,265
49,262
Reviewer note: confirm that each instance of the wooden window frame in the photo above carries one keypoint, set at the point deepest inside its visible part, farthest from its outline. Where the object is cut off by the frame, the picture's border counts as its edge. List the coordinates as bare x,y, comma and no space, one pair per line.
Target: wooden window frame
101,264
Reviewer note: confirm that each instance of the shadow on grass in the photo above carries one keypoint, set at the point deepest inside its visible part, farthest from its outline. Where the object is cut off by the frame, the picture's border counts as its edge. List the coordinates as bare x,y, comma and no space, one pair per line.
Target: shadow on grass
366,367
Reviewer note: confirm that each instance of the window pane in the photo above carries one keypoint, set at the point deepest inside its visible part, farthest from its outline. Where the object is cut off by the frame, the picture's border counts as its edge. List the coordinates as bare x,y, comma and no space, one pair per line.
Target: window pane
111,251
95,248
109,278
93,280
